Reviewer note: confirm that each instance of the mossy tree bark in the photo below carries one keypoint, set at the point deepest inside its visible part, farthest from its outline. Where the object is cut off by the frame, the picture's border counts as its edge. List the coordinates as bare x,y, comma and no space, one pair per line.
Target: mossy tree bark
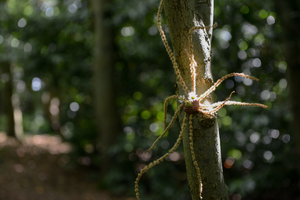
106,112
181,16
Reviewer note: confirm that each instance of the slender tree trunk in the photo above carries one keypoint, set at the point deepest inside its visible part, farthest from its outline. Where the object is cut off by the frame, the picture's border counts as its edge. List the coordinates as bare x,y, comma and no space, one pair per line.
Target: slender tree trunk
7,98
181,16
106,113
289,16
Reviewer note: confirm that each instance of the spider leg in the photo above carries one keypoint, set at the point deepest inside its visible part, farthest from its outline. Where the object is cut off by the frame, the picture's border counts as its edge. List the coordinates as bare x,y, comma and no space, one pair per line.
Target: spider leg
223,103
205,105
168,127
146,168
165,108
180,135
240,103
164,39
194,157
193,66
213,88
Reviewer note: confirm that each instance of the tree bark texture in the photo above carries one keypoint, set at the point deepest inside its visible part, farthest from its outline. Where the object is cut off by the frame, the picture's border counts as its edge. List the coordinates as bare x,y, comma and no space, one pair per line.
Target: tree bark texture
181,16
106,113
7,98
290,21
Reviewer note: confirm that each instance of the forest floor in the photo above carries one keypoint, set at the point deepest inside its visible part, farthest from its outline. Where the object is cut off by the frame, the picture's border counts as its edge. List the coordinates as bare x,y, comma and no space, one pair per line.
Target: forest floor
36,170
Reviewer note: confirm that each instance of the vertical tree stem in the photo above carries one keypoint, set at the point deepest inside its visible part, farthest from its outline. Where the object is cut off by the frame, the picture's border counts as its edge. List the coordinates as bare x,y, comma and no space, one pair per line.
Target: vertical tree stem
181,16
106,113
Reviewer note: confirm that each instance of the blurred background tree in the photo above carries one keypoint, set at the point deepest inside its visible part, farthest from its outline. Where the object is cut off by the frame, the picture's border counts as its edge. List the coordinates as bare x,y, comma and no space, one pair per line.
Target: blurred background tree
48,46
289,16
106,112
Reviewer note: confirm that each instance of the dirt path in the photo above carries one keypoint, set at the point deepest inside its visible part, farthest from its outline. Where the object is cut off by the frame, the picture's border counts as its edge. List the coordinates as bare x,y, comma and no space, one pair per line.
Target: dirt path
36,170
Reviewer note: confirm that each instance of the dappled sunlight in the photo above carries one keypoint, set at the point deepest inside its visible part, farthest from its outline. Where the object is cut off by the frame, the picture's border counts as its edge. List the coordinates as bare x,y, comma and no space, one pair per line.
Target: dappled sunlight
52,144
40,167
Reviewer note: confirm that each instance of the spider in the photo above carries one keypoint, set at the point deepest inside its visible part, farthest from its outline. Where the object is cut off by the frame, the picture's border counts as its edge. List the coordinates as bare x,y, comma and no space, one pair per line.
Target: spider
189,102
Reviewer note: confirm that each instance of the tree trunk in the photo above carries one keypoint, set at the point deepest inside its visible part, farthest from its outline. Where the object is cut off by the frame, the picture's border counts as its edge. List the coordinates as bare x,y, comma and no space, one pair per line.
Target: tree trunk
7,98
289,15
181,16
106,113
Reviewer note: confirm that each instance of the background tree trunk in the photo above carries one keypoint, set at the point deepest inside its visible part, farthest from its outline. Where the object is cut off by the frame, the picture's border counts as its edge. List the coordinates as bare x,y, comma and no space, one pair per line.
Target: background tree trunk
181,16
106,113
7,98
290,21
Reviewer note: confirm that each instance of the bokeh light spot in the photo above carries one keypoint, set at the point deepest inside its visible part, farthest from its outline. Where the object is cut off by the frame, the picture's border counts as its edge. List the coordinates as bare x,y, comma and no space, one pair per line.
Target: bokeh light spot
74,106
21,85
244,9
229,162
14,42
259,40
268,155
175,156
238,79
242,55
256,62
145,114
49,12
160,116
226,121
137,96
222,112
282,66
263,14
286,138
240,137
265,95
28,10
229,84
54,110
127,31
44,50
27,47
270,20
267,139
234,153
248,164
254,137
36,84
22,23
247,81
152,30
274,133
154,127
225,35
128,130
72,8
243,45
128,147
282,83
